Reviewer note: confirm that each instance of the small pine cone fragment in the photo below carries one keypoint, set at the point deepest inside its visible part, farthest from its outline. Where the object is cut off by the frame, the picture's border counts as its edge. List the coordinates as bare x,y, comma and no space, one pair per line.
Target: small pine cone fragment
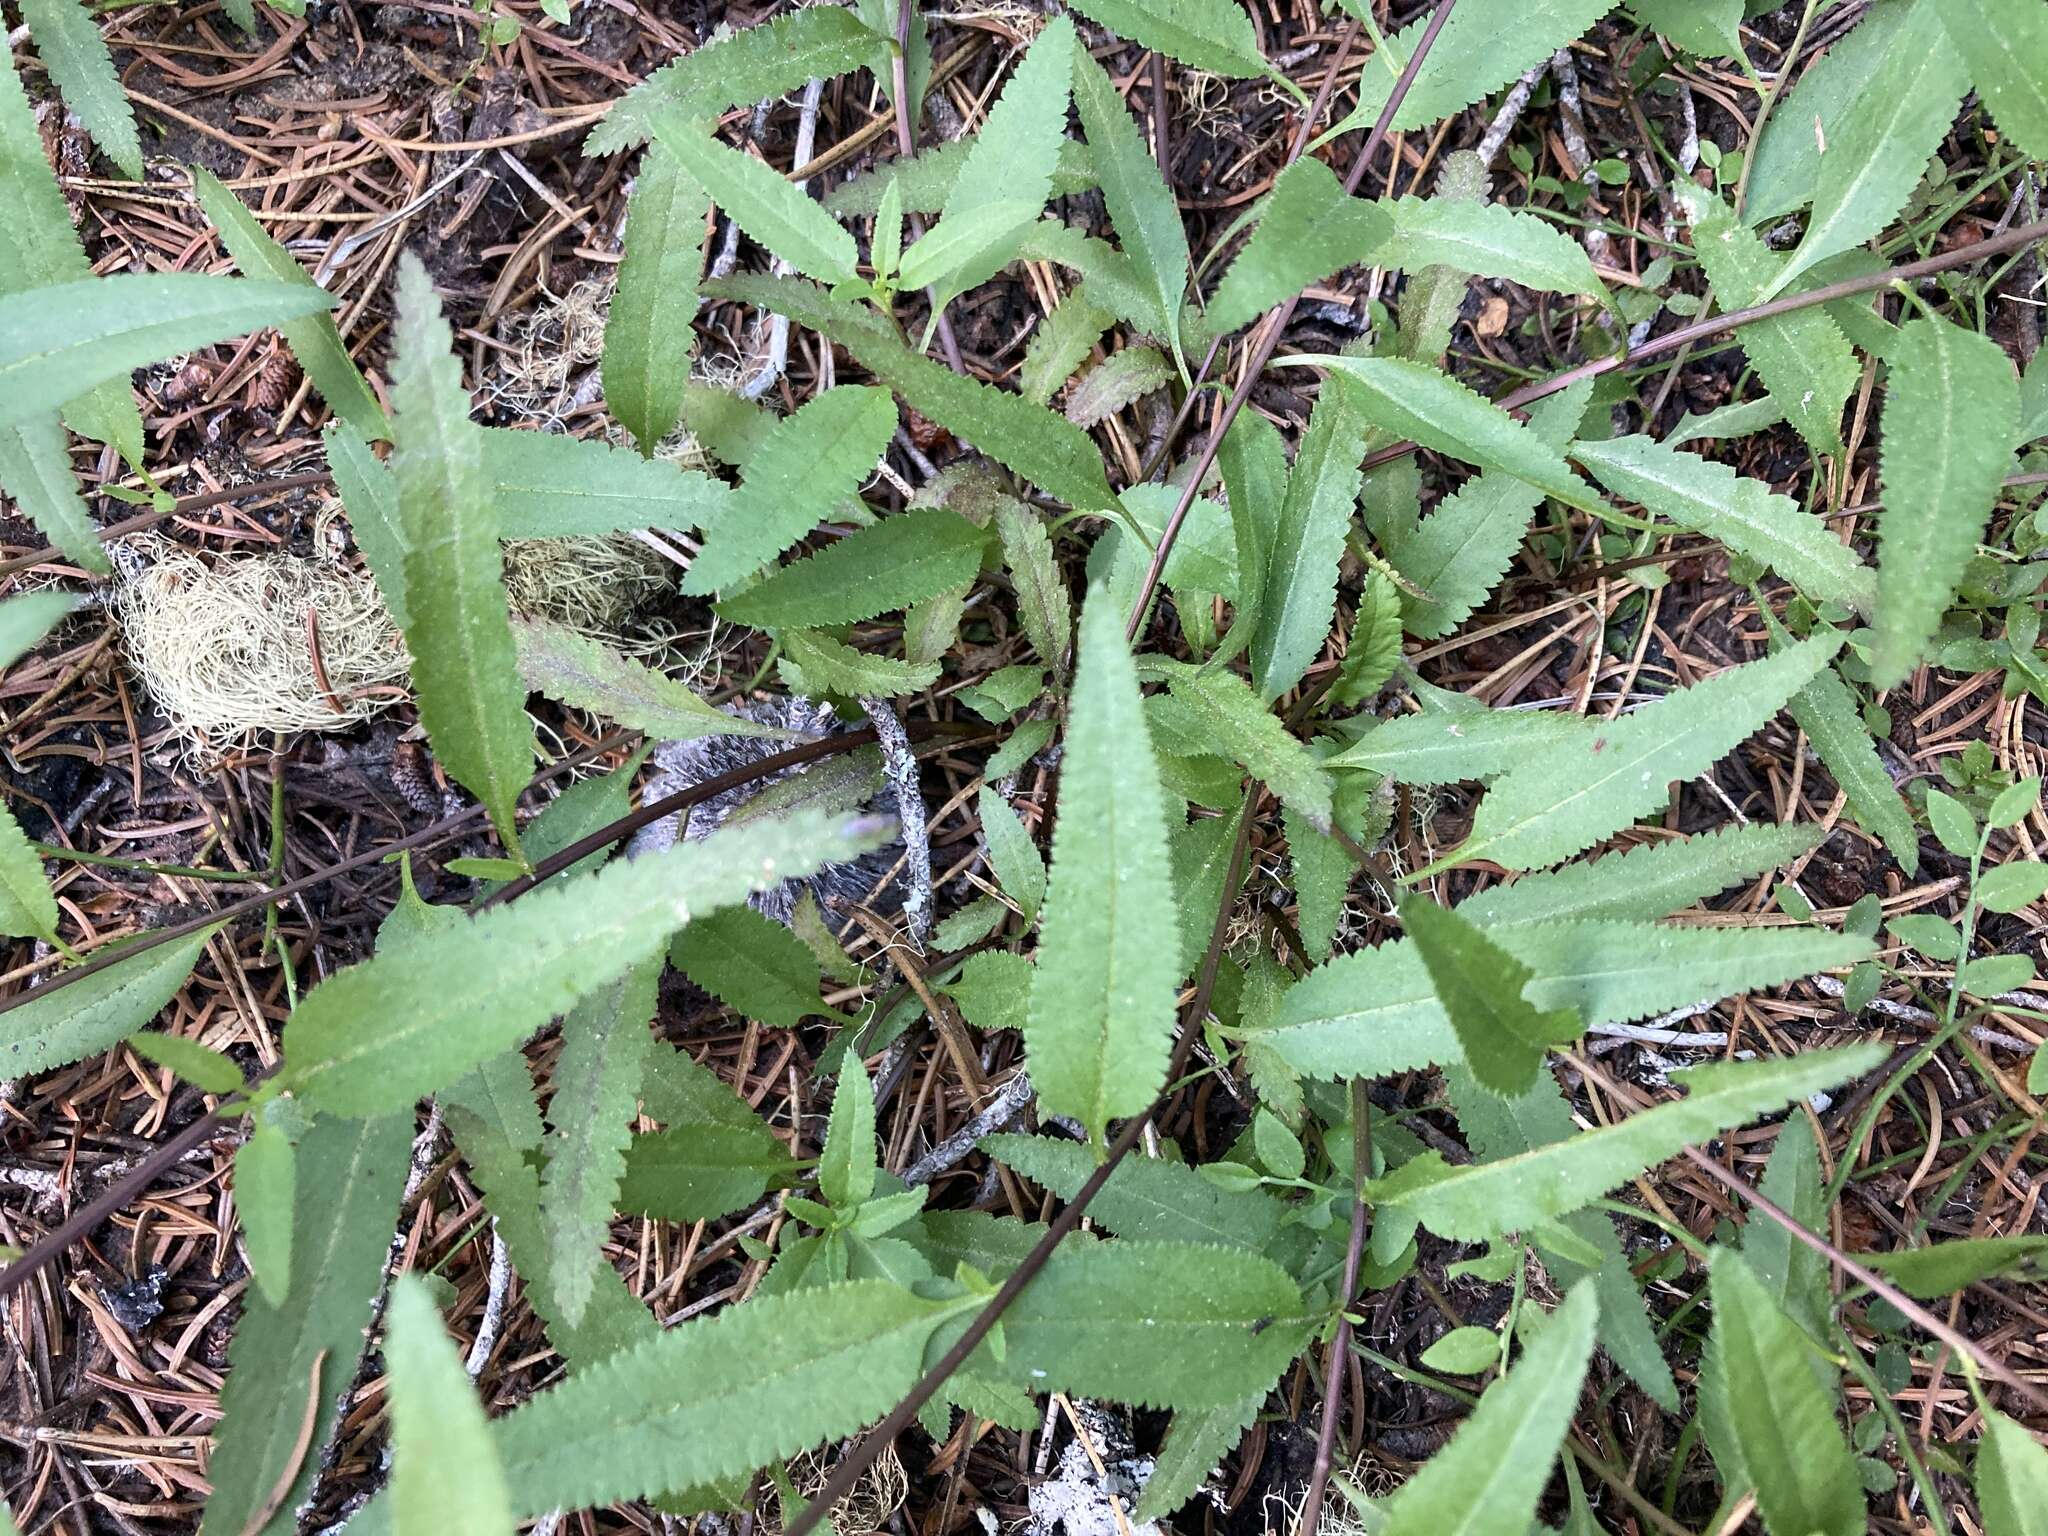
414,778
189,383
275,381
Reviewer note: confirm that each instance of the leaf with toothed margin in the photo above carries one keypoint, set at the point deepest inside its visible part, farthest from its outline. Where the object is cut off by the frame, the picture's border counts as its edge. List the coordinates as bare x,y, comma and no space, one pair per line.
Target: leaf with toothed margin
898,561
1563,799
446,1478
1374,1012
1196,1442
1239,726
1502,1036
68,41
380,1034
1449,747
1486,240
1309,227
1211,35
98,1011
1147,1197
649,332
1482,1200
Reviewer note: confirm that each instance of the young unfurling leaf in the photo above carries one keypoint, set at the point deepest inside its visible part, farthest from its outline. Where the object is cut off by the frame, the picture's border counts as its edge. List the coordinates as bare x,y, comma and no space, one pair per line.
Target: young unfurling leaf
1102,993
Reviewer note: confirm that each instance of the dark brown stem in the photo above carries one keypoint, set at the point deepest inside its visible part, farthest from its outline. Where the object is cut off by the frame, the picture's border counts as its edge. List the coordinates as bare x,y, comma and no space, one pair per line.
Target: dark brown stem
856,1461
1268,339
1339,1352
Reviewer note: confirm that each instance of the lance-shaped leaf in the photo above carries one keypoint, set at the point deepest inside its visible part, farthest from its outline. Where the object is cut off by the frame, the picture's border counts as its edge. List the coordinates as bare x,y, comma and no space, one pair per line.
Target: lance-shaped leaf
35,470
97,1012
464,665
1951,414
1451,746
846,1163
1212,35
1488,1479
1010,166
401,1024
1483,1200
605,1044
1479,50
68,41
1253,461
1011,854
818,664
28,907
60,342
1141,205
1043,605
2012,1478
1803,358
1878,150
1300,596
1744,514
1481,987
1458,554
290,1362
749,65
1309,228
546,485
1375,1012
701,1172
1415,401
314,340
1486,240
1795,1276
926,179
899,561
753,965
1242,728
24,620
445,1476
648,333
1563,799
807,465
1115,382
1102,994
761,200
1496,1128
1147,1197
39,248
1196,1442
1649,881
2003,42
1786,1439
571,667
1710,28
1051,453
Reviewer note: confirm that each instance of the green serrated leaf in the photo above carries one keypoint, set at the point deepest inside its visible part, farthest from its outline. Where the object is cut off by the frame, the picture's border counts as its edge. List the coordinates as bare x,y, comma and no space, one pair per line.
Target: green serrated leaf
1785,1437
1051,453
1375,1012
1117,381
1446,747
1489,1478
1878,149
810,463
925,180
749,65
1373,649
28,907
567,665
1482,1200
1064,340
701,1172
266,1186
1212,35
1322,871
605,1045
752,964
1565,798
200,1065
1828,712
97,1013
35,470
1011,853
760,199
648,333
1458,554
1309,228
445,1474
1794,1275
1238,726
464,662
62,341
1253,461
2001,41
289,1358
1803,358
68,41
1300,595
545,485
1141,206
1786,158
24,620
846,1167
1710,28
1196,1442
1480,49
314,340
986,235
1744,514
1043,606
1480,985
1421,403
1942,1269
1102,995
399,1025
1146,1198
1486,240
899,561
1951,415
826,666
